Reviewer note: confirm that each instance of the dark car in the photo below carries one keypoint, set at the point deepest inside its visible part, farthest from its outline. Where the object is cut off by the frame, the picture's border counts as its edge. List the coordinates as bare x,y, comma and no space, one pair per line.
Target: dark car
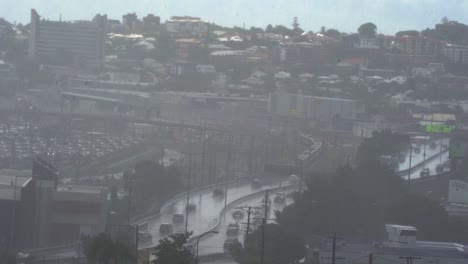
191,208
178,218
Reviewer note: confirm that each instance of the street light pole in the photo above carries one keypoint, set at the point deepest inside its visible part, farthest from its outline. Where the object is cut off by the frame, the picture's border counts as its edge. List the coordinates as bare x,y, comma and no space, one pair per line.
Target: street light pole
198,242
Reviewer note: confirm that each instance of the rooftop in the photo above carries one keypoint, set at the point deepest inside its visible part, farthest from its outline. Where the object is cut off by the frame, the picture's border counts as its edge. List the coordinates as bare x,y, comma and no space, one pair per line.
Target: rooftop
79,189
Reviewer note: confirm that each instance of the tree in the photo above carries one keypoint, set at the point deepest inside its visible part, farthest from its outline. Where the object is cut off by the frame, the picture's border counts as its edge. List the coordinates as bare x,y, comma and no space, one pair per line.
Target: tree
297,30
429,217
281,247
333,33
172,250
295,23
322,30
153,180
103,249
269,28
381,143
412,33
368,30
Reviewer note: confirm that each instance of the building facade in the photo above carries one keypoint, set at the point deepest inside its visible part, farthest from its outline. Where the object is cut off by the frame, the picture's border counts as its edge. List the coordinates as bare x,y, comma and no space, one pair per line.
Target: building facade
418,45
186,26
455,53
78,43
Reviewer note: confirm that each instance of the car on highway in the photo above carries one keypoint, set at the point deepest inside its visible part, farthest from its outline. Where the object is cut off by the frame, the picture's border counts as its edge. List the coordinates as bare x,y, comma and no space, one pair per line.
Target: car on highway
257,213
238,214
424,172
280,198
144,237
293,179
256,183
191,208
232,229
190,247
267,202
166,229
447,164
228,243
417,150
218,193
401,157
178,218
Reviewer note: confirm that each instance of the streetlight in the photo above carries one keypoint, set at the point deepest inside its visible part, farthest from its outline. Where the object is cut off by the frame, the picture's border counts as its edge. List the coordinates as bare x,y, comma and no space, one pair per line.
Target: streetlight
198,241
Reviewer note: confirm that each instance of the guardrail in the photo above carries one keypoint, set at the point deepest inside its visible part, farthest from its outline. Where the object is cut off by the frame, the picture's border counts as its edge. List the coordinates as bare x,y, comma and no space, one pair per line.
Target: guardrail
416,166
147,216
239,201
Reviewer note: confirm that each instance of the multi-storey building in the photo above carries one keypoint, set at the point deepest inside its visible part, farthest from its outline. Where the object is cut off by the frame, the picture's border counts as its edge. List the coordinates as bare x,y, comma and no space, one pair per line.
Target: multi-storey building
78,43
418,45
455,53
186,26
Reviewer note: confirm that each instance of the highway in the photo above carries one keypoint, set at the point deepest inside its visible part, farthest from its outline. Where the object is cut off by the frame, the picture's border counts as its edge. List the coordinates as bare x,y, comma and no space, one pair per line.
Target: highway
207,212
214,243
434,156
208,207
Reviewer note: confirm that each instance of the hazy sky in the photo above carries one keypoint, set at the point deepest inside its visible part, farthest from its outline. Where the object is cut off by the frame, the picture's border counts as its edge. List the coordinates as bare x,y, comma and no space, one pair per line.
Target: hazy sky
346,15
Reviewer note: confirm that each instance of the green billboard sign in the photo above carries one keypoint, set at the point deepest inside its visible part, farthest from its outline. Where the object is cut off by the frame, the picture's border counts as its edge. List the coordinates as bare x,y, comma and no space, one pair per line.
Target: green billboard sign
444,129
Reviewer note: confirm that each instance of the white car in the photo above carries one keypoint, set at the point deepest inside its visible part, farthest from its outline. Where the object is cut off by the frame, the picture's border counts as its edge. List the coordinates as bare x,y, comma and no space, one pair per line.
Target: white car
232,229
293,179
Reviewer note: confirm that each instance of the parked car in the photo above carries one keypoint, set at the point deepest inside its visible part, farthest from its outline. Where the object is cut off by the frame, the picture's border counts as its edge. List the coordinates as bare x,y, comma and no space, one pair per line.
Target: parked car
166,229
280,198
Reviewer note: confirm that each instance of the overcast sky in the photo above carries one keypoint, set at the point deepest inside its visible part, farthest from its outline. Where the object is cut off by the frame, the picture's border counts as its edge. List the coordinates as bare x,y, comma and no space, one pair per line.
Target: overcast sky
390,16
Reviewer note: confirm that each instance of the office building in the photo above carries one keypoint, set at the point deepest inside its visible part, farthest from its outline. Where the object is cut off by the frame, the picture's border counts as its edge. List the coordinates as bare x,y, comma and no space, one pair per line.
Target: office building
79,43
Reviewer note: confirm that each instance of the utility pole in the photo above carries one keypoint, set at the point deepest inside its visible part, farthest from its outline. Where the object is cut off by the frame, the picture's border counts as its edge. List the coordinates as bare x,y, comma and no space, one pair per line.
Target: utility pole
203,152
188,190
136,243
409,259
228,157
130,193
334,238
262,256
409,165
247,230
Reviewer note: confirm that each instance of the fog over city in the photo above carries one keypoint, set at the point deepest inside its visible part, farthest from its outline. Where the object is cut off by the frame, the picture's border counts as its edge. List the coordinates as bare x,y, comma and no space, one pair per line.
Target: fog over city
221,132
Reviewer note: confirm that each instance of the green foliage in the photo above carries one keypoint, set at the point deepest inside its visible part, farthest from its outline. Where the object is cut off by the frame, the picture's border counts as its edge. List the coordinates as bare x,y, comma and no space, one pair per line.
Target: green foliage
103,249
153,180
428,216
368,30
172,250
454,34
359,201
381,143
413,33
351,202
281,247
332,33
